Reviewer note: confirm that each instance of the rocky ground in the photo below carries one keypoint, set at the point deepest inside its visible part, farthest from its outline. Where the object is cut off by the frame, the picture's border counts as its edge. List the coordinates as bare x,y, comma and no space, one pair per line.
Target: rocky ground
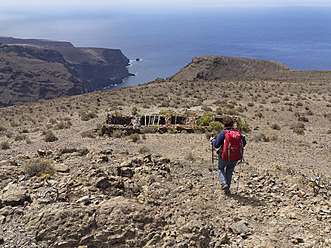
157,190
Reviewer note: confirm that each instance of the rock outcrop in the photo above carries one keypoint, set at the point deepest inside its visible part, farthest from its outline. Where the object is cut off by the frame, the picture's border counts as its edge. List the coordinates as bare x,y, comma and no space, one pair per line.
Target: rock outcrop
38,69
150,201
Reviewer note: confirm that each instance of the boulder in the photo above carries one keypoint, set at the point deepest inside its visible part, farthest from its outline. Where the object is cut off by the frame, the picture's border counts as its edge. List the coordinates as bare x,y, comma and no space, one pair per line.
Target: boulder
14,194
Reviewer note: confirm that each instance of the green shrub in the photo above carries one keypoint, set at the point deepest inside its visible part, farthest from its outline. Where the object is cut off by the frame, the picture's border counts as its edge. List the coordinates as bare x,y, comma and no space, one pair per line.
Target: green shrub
165,112
85,116
36,167
204,120
298,128
4,145
300,131
243,125
165,104
189,113
303,118
275,126
296,114
20,137
219,111
50,136
189,157
100,132
134,111
309,112
116,113
240,109
231,111
134,137
199,129
206,108
143,150
88,134
216,126
260,115
117,134
171,130
63,125
261,137
150,129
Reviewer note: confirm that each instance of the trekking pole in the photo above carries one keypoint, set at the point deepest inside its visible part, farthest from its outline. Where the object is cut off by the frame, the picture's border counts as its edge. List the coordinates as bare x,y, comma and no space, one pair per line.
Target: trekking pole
241,161
212,162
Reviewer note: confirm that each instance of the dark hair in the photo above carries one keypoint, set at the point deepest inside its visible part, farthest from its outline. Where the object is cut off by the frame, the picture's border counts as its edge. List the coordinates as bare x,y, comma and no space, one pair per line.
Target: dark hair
228,121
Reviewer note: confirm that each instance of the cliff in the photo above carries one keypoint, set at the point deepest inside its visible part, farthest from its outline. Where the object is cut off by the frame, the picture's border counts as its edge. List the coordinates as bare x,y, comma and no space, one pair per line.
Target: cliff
32,69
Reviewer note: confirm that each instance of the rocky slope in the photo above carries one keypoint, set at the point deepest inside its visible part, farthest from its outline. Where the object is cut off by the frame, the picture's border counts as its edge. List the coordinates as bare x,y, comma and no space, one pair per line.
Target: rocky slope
155,190
40,69
225,68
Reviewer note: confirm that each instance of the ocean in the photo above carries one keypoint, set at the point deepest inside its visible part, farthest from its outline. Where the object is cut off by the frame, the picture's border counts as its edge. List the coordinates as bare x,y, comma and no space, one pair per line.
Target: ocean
165,40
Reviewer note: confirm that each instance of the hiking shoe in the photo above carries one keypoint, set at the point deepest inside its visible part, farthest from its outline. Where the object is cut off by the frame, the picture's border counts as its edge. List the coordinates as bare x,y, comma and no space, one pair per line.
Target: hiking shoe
224,187
227,192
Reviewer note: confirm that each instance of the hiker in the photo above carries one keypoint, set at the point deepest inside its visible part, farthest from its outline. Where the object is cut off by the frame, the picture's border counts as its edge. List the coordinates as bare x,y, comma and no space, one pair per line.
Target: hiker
228,158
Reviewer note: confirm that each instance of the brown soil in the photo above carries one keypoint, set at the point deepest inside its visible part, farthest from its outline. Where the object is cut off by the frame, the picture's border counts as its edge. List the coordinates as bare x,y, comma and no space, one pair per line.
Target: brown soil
170,204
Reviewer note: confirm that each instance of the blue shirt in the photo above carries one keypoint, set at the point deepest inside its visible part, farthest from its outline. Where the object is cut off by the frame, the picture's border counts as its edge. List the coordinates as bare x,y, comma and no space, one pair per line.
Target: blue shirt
219,141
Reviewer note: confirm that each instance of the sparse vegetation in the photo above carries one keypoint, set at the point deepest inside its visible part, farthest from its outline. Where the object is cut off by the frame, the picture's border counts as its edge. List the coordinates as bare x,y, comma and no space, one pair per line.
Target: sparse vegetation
36,167
134,137
20,137
275,126
204,120
303,118
63,125
319,182
100,132
88,134
243,125
143,150
4,145
261,137
148,174
50,136
117,134
216,126
189,157
219,111
298,128
206,108
134,111
231,111
86,116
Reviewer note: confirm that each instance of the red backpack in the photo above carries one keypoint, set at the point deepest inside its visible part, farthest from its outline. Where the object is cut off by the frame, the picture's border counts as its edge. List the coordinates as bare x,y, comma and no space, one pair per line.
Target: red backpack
233,146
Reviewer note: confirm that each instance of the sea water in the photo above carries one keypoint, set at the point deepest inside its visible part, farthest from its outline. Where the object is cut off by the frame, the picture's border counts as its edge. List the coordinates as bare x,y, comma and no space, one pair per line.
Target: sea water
166,40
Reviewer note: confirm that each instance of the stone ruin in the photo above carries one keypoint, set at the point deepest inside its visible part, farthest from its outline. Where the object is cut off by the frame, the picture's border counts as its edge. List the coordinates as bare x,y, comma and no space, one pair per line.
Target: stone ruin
161,123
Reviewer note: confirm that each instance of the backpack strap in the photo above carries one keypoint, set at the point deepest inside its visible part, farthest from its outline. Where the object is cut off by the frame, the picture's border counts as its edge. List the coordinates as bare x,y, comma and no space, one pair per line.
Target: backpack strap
229,144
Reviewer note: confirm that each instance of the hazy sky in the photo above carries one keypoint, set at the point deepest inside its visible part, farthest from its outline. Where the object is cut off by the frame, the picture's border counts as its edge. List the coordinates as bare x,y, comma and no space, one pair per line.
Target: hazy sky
174,2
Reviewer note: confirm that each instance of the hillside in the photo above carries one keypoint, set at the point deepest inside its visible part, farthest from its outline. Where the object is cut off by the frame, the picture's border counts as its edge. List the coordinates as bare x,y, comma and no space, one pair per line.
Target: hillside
155,190
33,69
226,68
